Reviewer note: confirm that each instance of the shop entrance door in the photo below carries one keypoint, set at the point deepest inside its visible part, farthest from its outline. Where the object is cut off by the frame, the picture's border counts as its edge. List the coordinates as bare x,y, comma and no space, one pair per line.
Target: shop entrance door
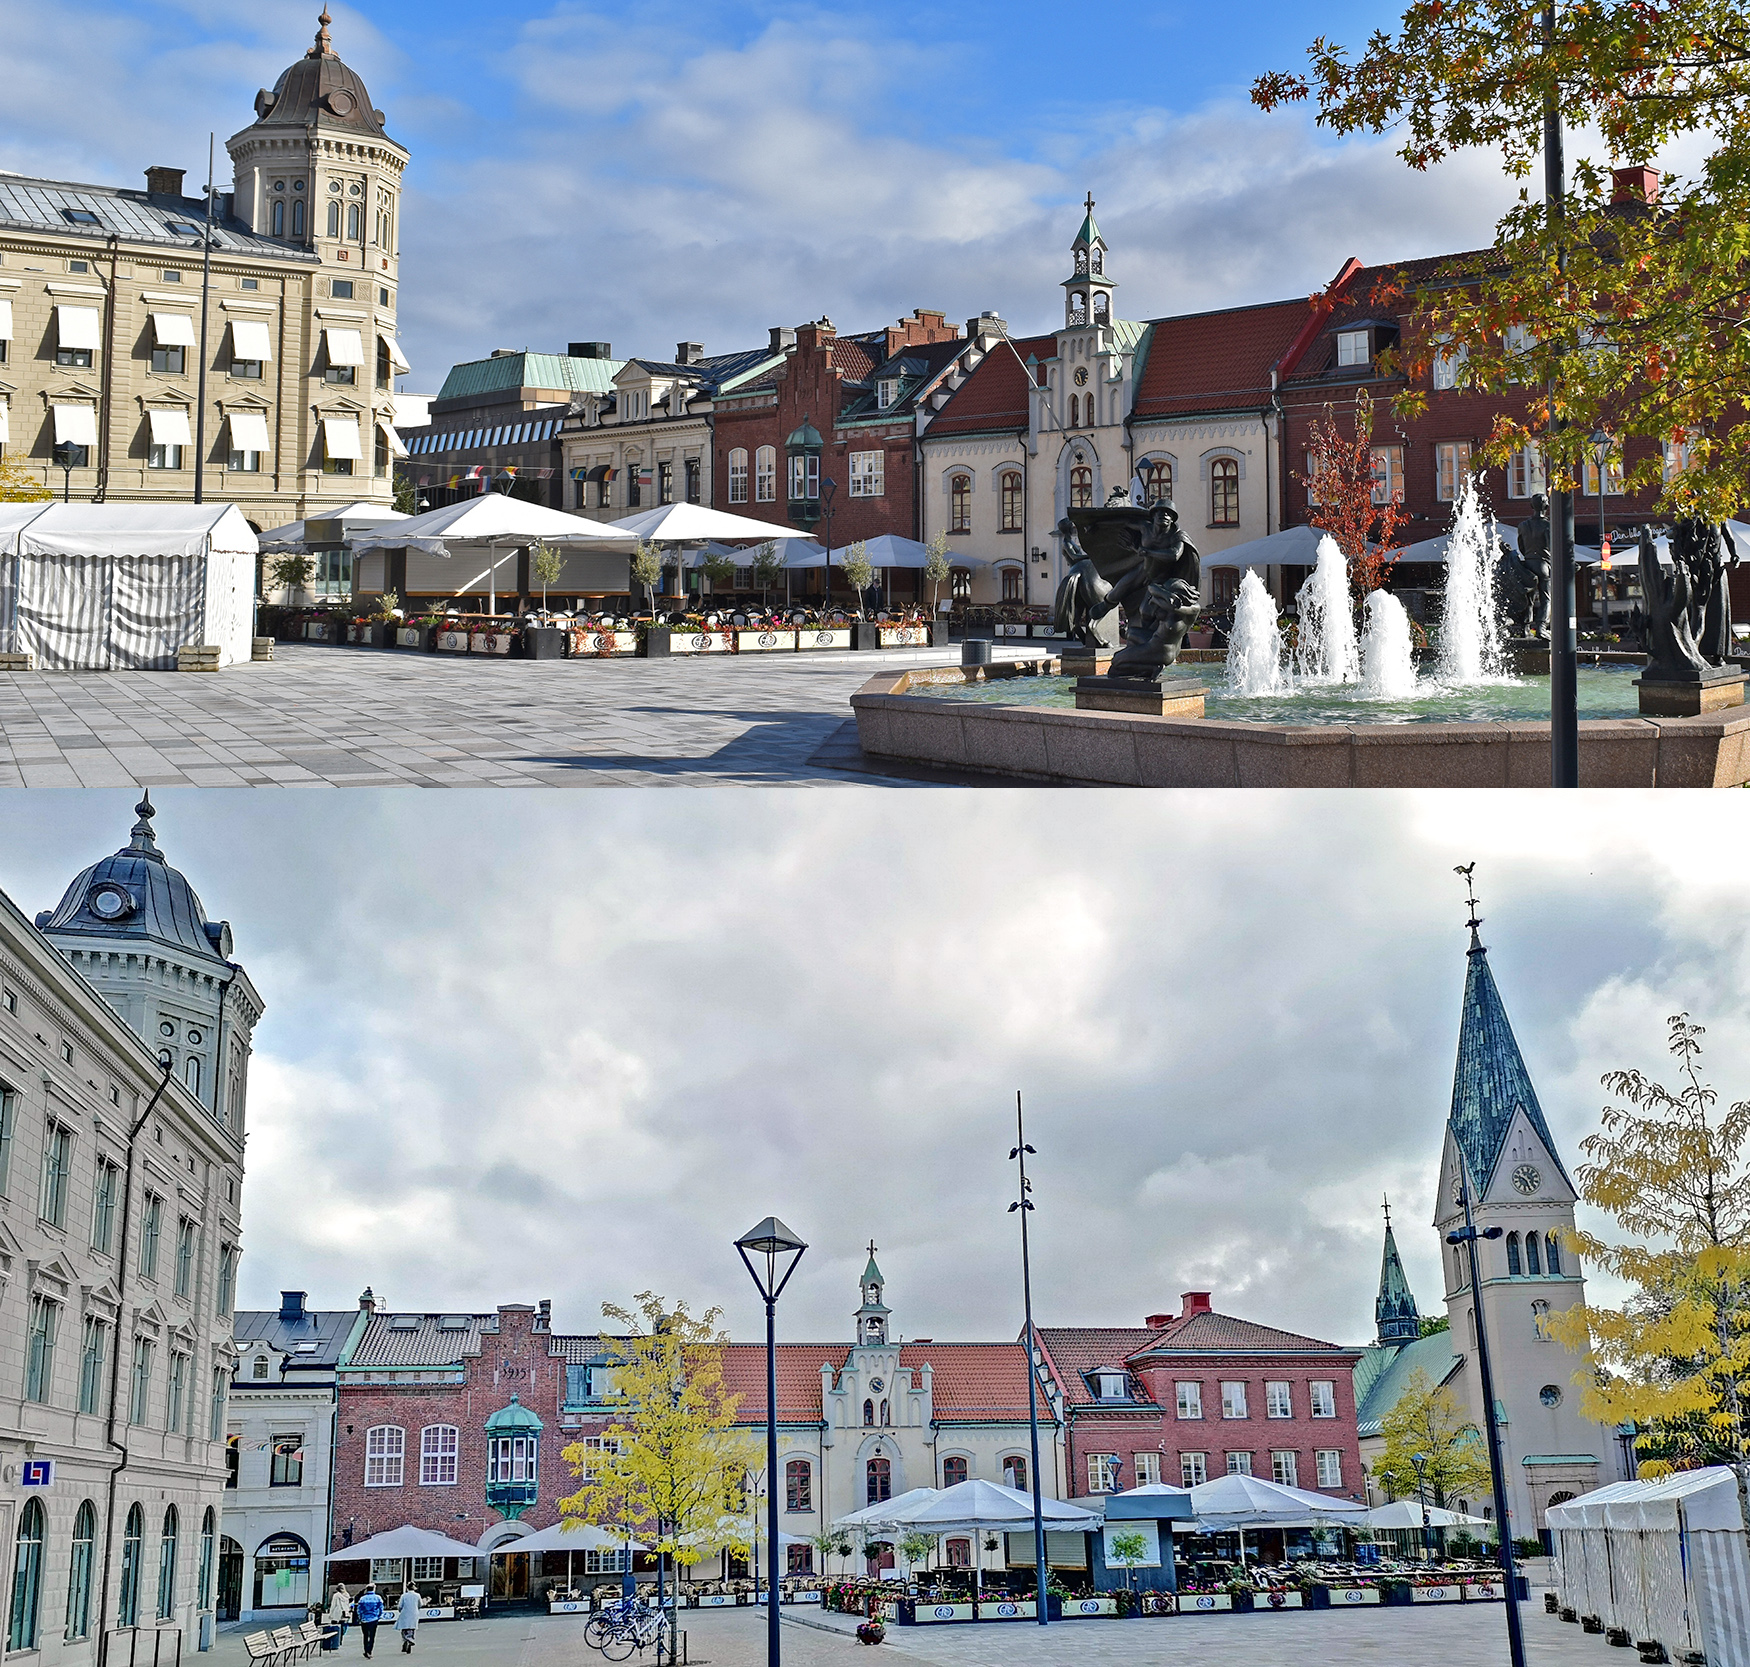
510,1576
230,1604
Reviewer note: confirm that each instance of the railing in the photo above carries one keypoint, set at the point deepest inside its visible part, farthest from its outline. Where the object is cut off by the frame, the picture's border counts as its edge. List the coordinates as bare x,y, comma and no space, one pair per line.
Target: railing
144,1646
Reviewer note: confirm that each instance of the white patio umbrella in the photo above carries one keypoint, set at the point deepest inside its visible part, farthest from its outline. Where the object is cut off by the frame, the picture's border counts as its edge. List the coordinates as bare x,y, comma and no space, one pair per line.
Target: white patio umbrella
1407,1513
571,1535
881,1515
975,1507
695,523
360,515
1232,1504
1292,547
401,1543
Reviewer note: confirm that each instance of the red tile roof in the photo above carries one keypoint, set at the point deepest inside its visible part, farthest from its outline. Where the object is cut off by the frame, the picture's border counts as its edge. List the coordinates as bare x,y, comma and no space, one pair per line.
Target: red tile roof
974,1381
852,358
1217,361
994,396
744,1374
1209,1331
1075,1350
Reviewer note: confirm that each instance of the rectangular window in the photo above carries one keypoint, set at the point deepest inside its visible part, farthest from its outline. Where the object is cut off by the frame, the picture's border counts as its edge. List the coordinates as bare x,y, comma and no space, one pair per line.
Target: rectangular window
1388,474
8,1122
245,463
175,1392
804,477
665,483
1148,1469
140,1382
384,1446
1448,362
1193,1469
184,1257
164,457
77,357
170,359
868,474
1239,1464
103,1201
606,1562
151,1226
428,1568
1285,1469
438,1446
1330,1465
287,1470
39,1363
1352,347
341,289
57,1167
1451,466
248,369
1679,457
1102,1472
1613,484
1233,1400
798,1486
592,1444
1312,478
1324,1398
227,1279
1190,1400
1525,476
766,475
886,392
340,376
216,1428
1278,1401
93,1351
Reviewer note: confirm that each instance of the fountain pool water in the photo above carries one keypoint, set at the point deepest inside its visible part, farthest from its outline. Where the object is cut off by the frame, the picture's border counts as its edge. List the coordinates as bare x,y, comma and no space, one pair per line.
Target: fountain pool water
1388,661
1470,635
1254,652
1326,650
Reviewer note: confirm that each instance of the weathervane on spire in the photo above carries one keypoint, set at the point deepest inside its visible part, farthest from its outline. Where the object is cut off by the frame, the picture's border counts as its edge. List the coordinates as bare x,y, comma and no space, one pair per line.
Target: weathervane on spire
1386,1206
1468,870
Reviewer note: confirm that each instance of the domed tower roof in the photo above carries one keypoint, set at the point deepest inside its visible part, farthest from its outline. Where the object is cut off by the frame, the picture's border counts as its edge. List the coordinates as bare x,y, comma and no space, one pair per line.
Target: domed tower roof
319,88
137,894
513,1419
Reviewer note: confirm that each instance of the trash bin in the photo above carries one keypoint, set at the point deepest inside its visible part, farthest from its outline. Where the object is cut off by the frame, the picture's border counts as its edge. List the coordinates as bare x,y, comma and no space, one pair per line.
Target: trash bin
331,1637
975,651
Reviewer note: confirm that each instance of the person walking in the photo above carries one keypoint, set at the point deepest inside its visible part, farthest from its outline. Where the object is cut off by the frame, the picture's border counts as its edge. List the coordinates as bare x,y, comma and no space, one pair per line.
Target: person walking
368,1612
339,1613
407,1619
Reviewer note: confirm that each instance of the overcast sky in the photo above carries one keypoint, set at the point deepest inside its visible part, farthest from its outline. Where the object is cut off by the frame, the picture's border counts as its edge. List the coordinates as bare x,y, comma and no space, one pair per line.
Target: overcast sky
682,170
540,1045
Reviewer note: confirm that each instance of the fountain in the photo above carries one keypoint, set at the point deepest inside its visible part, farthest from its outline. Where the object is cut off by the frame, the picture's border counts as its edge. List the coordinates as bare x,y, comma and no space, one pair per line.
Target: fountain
1325,648
1388,662
1254,653
1470,632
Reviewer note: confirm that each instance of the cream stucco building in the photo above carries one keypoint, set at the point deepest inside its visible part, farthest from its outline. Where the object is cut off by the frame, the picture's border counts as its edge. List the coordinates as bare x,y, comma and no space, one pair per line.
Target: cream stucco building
107,315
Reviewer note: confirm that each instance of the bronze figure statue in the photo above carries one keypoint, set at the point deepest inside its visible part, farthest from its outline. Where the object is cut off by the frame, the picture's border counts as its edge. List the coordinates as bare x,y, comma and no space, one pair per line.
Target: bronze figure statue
1673,655
1155,571
1527,571
1705,553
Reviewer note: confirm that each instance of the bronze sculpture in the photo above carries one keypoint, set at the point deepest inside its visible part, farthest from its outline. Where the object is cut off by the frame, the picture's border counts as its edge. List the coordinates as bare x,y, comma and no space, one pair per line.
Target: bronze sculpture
1673,656
1080,595
1704,551
1153,569
1526,573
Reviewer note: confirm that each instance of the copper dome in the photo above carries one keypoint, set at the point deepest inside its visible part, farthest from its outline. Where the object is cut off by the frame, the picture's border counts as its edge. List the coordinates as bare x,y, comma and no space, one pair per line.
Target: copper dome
319,88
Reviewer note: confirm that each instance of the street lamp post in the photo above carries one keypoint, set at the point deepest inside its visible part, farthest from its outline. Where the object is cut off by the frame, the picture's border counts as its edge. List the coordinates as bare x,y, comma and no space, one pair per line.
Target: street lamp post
63,455
1024,1204
774,1241
828,488
1563,660
1420,1461
1467,1236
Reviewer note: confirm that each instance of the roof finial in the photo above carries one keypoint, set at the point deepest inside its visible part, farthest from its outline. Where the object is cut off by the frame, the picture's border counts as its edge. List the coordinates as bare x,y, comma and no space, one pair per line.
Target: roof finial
871,1250
1089,205
324,48
142,829
1476,920
1387,1208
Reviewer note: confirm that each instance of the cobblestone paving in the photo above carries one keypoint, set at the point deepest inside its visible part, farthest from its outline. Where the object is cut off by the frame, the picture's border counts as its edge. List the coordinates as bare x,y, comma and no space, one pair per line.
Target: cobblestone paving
336,717
1464,1635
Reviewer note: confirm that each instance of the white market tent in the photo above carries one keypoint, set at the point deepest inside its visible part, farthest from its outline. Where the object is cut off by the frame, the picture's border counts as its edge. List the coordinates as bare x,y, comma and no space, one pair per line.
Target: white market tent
876,1516
289,539
401,1543
120,587
569,1534
972,1506
1663,1559
695,523
1407,1513
1232,1502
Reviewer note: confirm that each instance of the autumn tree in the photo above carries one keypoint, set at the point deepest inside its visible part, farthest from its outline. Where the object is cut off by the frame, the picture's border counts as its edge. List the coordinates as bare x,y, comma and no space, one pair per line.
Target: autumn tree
545,566
1624,316
672,1463
19,486
1669,1168
1428,1420
1342,478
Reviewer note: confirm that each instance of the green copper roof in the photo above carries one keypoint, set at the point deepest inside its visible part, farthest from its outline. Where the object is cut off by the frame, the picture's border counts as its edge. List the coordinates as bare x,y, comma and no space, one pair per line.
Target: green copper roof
1382,1373
1088,235
530,370
872,1274
1490,1081
1394,1309
508,1420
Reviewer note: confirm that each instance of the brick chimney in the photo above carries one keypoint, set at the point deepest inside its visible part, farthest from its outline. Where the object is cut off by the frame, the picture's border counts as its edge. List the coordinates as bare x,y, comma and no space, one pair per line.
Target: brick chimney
368,1301
291,1307
1196,1302
164,182
1639,184
1158,1322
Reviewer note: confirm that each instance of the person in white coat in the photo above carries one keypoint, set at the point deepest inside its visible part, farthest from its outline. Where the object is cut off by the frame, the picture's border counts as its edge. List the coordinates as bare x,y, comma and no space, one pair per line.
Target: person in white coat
407,1619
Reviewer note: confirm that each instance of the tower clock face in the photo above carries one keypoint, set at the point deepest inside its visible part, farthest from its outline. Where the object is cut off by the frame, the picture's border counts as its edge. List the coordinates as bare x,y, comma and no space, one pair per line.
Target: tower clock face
1527,1180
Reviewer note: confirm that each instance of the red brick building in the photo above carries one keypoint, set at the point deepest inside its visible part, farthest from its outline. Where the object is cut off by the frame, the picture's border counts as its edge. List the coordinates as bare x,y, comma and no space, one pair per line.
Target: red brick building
1181,1400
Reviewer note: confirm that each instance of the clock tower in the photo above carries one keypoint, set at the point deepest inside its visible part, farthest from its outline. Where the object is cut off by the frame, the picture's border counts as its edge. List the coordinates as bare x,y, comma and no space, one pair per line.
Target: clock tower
1499,1147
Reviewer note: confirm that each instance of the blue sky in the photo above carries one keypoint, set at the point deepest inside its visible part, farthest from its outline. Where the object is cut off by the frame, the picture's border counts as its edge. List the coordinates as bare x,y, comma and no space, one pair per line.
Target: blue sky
688,171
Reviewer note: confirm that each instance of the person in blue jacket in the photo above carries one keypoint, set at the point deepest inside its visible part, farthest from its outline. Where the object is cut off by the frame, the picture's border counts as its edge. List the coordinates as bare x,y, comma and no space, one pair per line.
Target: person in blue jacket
368,1612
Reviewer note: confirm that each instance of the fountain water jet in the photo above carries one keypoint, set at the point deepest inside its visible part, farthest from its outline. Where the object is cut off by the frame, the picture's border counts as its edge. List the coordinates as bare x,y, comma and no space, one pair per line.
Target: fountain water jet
1327,651
1470,633
1388,666
1254,652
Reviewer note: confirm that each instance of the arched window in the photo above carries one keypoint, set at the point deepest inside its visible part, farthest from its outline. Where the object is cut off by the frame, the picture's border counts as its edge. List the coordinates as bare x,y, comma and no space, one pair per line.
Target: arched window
886,1418
298,218
133,1536
334,219
960,583
798,1485
738,475
282,1573
959,1554
437,1455
1540,1320
79,1570
1013,586
167,1566
27,1578
868,1415
953,1471
1099,261
1075,410
1513,1265
1157,482
352,222
1078,308
1101,310
203,1597
765,475
878,1481
279,219
1560,1497
384,1446
1553,1254
191,1074
1224,493
1531,1259
1470,1315
960,503
1010,492
1015,1473
1081,487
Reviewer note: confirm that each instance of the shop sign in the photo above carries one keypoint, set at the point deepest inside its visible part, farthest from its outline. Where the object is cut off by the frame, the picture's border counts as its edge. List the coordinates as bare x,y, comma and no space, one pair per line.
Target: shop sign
932,1612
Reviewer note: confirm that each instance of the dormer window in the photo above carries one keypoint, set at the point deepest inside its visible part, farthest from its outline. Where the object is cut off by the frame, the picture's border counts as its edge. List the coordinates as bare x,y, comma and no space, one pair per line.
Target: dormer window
1112,1386
886,392
1352,348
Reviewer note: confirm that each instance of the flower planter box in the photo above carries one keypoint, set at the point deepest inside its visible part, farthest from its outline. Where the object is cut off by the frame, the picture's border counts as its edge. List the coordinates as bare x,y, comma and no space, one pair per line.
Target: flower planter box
416,636
1345,1597
765,642
543,642
1204,1603
904,636
661,641
452,642
1437,1594
318,630
1485,1591
810,638
490,642
437,1611
560,1606
931,1614
715,1600
602,644
1159,1603
801,1597
1076,1607
1007,1609
1278,1600
865,635
358,634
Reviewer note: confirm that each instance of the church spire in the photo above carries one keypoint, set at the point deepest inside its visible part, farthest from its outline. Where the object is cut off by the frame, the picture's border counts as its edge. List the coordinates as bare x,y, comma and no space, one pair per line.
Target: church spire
1088,290
872,1316
1394,1309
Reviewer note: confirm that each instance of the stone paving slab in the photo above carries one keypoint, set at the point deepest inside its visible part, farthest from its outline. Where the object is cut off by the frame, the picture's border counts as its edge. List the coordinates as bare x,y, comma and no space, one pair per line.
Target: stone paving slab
335,717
